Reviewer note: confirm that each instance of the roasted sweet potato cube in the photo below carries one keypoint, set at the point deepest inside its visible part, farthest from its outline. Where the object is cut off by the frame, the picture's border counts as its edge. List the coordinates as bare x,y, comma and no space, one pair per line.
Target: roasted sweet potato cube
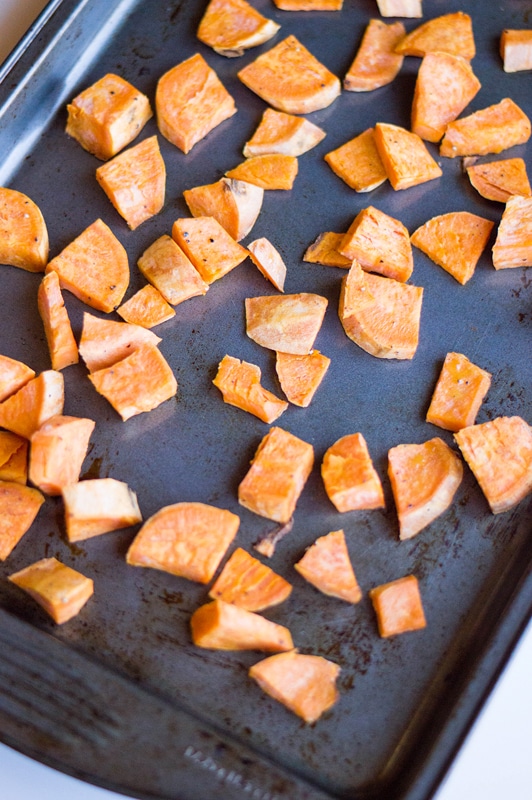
239,383
211,250
516,49
349,477
380,244
13,375
269,171
489,130
19,505
235,204
327,566
358,163
103,342
146,308
324,250
513,245
283,133
23,232
376,63
165,265
449,33
97,506
58,450
39,399
224,626
13,457
500,180
231,27
405,156
398,606
185,539
301,376
458,394
248,583
289,323
268,261
60,590
57,328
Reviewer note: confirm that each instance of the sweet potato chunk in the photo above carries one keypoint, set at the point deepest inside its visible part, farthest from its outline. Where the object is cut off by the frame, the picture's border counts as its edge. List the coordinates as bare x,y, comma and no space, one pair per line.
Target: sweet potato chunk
224,626
231,27
97,506
13,375
165,265
277,476
459,392
13,457
239,383
358,163
499,453
289,78
424,478
400,8
19,505
324,250
248,583
269,171
208,246
381,315
289,323
23,232
268,261
233,203
398,606
103,342
301,376
39,399
445,85
61,342
489,130
405,157
455,241
380,244
516,49
349,477
326,565
376,63
94,267
449,33
305,684
185,539
283,133
500,180
190,102
58,450
513,245
309,5
107,116
146,308
134,181
60,590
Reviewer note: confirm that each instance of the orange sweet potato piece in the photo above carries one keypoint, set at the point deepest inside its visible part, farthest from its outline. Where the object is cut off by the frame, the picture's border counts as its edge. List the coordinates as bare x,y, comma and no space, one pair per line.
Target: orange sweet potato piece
23,232
39,399
445,85
349,477
380,244
358,163
277,476
455,241
61,342
268,261
327,566
424,478
103,342
13,457
449,33
60,590
208,246
19,505
269,171
381,315
489,130
165,265
516,49
309,5
138,383
223,626
289,323
58,450
190,102
289,78
231,27
513,245
376,63
499,453
97,506
239,383
301,376
107,116
500,180
13,375
248,583
458,394
94,267
146,308
398,606
405,156
324,250
235,204
134,181
305,684
283,133
185,539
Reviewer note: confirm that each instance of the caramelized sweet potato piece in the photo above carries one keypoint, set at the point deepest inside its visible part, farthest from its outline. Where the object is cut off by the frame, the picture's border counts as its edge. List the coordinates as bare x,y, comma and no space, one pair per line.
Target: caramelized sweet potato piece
500,180
185,539
305,684
13,457
94,267
459,392
300,376
398,606
190,102
239,383
380,244
107,116
455,241
103,342
248,583
349,477
358,163
13,375
39,399
58,450
135,181
289,323
231,27
489,130
60,590
233,203
268,261
269,171
516,49
61,342
424,478
289,78
283,133
499,453
376,63
19,505
324,250
23,232
513,245
224,626
449,33
405,157
97,506
208,246
327,566
277,476
146,308
400,8
165,265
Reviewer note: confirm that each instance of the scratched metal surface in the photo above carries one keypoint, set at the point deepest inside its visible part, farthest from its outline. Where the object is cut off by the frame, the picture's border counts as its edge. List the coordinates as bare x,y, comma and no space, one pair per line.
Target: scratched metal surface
404,703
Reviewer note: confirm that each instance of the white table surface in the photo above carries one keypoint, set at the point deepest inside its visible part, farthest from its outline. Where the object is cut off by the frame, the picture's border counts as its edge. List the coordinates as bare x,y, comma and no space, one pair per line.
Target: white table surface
496,759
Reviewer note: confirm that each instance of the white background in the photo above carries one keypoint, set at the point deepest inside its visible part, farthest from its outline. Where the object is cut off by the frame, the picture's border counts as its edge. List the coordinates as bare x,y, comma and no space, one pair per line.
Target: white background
496,760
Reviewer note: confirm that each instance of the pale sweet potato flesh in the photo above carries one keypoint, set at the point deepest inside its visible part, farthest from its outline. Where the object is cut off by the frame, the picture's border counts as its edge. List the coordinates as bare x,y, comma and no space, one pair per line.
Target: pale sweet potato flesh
58,450
458,394
358,163
513,245
289,323
270,171
39,399
146,308
232,26
97,506
516,49
60,590
165,265
398,606
239,383
400,8
235,204
19,505
287,134
405,156
379,243
268,261
327,566
324,250
58,330
13,375
301,375
349,477
103,342
500,180
248,583
23,232
223,626
449,33
208,246
489,130
376,63
309,5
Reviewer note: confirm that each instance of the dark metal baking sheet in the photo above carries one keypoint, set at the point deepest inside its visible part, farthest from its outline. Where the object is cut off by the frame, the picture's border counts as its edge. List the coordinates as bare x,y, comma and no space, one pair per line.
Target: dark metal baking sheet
123,698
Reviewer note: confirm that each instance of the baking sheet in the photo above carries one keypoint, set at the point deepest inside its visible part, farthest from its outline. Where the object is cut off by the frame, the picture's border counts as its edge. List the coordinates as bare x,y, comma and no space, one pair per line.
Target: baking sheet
405,703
